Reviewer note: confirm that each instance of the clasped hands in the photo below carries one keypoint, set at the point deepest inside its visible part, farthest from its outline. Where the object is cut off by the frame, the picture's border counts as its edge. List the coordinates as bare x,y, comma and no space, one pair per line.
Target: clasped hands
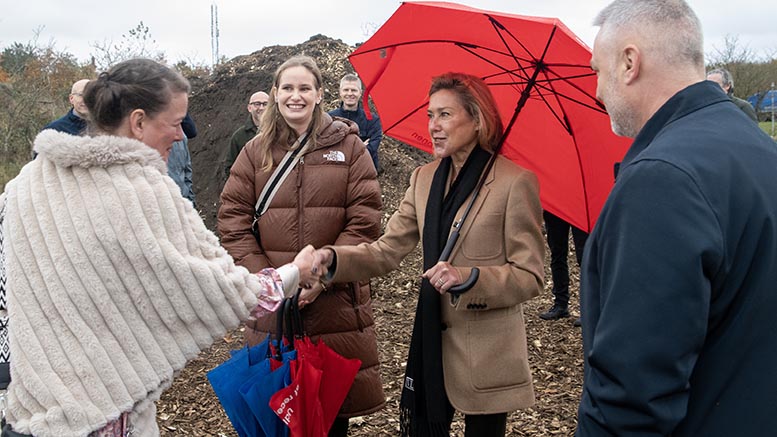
313,266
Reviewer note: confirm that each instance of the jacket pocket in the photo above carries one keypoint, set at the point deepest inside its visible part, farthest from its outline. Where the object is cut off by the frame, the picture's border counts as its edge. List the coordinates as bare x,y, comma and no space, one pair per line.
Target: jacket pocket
485,239
497,353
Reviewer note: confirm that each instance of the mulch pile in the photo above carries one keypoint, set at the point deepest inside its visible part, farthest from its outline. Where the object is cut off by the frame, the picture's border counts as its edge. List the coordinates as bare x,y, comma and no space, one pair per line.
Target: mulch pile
190,407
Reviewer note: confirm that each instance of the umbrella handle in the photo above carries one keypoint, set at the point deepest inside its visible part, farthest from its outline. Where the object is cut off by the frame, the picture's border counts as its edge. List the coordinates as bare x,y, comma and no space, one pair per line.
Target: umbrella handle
279,314
460,289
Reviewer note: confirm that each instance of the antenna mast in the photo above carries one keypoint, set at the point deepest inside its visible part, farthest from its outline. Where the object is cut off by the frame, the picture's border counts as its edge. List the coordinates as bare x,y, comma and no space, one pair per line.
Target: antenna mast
214,33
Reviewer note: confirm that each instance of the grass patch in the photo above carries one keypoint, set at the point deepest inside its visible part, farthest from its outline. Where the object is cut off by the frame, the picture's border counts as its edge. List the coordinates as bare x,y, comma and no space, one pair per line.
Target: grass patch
767,127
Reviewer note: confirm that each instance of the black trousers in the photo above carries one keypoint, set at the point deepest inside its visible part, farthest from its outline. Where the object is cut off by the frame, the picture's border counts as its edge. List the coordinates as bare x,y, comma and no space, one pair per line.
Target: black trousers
485,425
339,428
558,242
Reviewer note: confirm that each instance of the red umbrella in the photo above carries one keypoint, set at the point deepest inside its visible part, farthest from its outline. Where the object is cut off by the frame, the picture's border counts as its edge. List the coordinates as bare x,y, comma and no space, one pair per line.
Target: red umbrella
540,75
320,381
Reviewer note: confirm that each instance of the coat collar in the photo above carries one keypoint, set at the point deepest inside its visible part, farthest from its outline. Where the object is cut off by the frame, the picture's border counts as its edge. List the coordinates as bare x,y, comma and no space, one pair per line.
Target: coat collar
351,111
688,100
66,150
249,125
476,207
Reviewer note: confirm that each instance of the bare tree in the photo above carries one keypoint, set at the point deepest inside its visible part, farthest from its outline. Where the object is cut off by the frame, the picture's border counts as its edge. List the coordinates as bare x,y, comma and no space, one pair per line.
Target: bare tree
136,43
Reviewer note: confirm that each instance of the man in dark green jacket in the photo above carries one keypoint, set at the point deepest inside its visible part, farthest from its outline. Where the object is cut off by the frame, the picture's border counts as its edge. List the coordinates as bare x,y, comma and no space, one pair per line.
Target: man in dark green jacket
723,78
256,106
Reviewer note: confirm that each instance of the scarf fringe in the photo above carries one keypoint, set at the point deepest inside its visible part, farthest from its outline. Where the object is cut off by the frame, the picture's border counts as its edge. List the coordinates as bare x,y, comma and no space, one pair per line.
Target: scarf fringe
408,427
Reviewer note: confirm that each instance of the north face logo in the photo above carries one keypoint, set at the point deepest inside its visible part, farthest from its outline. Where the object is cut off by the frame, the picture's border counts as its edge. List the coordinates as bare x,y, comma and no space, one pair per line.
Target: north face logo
335,155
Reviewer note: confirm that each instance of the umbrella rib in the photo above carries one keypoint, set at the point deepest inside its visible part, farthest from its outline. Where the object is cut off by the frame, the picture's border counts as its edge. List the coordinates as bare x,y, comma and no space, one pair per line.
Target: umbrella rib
504,70
497,26
426,41
596,106
532,82
565,123
410,113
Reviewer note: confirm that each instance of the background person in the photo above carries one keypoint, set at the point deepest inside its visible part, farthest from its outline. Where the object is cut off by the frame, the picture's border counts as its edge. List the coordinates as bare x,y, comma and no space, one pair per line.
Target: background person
370,131
179,163
331,196
257,103
470,356
114,282
723,78
74,122
557,233
678,276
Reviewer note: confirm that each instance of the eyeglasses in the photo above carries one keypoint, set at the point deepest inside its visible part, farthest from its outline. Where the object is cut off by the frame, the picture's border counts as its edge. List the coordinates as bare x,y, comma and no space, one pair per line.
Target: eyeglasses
258,104
77,94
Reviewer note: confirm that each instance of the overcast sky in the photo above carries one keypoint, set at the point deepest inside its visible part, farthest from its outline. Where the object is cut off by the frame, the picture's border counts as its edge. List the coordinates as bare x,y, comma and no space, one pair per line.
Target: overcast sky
182,31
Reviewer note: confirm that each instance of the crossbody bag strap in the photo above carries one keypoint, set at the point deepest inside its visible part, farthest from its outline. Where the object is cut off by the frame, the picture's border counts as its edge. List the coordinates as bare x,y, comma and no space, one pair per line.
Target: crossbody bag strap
274,183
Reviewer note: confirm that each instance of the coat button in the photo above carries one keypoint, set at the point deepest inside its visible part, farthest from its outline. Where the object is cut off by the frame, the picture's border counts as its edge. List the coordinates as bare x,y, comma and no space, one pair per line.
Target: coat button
444,326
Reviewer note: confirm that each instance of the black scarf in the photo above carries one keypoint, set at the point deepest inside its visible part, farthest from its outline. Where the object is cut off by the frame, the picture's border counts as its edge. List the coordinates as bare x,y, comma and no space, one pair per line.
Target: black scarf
424,406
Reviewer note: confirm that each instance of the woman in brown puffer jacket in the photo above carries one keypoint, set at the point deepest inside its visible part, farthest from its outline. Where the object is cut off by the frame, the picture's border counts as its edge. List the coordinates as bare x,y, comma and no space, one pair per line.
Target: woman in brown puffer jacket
330,196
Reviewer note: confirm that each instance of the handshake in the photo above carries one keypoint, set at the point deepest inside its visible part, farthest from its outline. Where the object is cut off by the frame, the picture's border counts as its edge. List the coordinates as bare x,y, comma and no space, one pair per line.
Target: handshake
313,266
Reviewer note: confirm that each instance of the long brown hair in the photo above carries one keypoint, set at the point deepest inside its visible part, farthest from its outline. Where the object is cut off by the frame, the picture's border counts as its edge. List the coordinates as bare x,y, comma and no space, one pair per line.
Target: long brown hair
476,98
274,129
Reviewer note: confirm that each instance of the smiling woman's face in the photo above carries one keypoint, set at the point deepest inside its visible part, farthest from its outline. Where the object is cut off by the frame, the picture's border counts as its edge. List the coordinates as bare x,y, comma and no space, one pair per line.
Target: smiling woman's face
451,127
297,96
164,128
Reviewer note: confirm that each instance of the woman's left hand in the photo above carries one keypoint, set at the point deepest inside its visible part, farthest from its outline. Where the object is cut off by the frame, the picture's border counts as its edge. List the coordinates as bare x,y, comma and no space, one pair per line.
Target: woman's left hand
443,276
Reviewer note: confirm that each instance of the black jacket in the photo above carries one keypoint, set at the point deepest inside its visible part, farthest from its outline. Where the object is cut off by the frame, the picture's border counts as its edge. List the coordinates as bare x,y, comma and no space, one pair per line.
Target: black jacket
679,285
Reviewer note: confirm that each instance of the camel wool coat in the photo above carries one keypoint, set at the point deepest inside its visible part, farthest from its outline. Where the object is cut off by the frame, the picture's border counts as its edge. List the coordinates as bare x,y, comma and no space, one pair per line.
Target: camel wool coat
483,338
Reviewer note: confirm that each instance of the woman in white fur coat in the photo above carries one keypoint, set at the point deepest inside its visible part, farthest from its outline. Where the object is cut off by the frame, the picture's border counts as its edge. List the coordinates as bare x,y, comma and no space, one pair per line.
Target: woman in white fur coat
114,281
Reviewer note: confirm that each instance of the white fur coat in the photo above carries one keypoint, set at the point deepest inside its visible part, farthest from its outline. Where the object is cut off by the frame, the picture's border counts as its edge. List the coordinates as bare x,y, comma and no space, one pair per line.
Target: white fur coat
114,283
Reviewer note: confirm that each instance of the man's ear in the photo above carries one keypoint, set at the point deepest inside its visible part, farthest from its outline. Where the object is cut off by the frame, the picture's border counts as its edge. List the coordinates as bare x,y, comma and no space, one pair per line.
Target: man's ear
137,119
631,58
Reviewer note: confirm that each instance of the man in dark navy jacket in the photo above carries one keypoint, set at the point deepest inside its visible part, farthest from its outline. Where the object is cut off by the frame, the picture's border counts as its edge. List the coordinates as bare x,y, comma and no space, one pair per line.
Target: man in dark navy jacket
370,130
680,273
74,122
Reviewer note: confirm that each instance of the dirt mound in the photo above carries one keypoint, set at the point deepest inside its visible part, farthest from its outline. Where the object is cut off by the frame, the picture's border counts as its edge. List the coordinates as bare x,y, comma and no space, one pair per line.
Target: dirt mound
190,407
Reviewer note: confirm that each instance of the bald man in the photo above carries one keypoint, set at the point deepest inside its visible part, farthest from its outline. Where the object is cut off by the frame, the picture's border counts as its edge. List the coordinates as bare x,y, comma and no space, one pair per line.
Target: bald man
74,122
678,280
257,103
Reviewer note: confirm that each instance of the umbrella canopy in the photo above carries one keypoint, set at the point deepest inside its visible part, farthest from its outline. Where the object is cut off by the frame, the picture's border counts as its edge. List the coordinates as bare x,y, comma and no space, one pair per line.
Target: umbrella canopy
538,71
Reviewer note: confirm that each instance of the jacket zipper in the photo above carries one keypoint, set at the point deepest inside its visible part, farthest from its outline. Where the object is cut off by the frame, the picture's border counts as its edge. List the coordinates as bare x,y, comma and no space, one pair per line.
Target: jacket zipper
353,286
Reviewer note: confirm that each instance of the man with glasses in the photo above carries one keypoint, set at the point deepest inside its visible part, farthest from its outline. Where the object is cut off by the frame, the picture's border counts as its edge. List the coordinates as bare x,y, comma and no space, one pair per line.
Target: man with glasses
74,122
256,106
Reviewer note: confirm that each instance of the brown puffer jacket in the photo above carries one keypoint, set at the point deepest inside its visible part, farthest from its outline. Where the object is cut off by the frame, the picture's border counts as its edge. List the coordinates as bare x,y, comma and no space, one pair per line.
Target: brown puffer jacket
332,196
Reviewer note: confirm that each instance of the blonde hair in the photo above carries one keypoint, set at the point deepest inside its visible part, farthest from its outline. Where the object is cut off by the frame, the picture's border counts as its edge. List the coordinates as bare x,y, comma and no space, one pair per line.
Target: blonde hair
274,129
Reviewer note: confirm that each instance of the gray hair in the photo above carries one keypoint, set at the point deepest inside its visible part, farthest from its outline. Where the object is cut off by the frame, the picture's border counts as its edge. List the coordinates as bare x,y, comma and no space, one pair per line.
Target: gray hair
725,76
350,77
671,26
